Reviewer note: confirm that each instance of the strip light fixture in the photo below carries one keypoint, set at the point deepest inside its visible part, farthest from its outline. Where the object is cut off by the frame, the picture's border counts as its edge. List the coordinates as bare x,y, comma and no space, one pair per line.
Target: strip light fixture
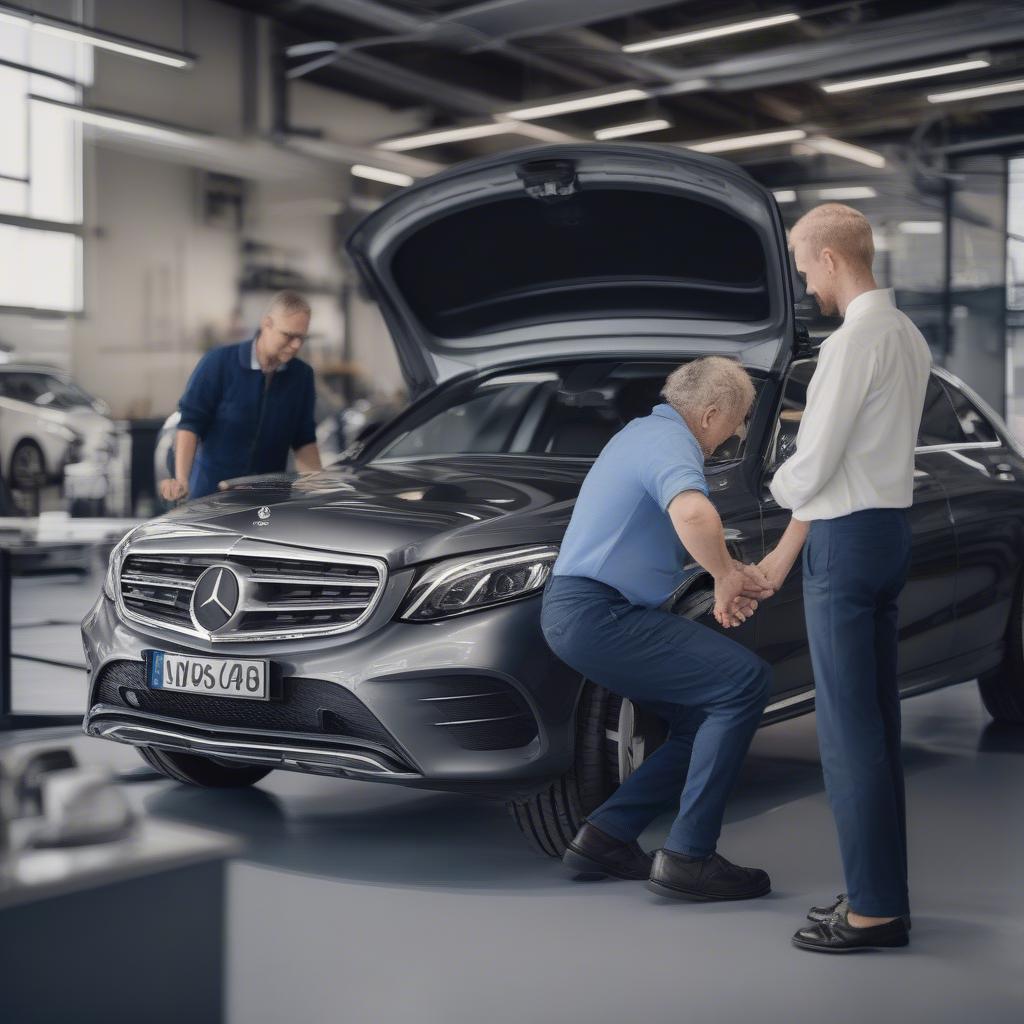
847,192
849,84
64,29
382,175
120,123
711,32
921,227
748,141
973,92
572,104
836,147
620,131
443,135
785,195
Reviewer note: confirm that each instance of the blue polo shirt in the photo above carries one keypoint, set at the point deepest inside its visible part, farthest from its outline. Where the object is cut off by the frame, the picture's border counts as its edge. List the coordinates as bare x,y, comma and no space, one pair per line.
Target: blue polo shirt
246,422
620,532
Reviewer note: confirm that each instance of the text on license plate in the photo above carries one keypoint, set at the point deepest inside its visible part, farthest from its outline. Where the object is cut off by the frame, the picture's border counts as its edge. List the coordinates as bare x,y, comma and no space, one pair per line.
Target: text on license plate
216,677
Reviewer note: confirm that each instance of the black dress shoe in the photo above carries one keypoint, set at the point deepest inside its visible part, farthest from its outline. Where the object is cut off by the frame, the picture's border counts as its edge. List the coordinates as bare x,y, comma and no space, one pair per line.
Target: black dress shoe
837,935
712,878
819,915
594,854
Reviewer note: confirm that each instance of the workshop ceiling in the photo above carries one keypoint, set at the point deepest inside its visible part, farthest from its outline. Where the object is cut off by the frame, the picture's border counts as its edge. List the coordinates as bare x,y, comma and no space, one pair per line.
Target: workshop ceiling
478,71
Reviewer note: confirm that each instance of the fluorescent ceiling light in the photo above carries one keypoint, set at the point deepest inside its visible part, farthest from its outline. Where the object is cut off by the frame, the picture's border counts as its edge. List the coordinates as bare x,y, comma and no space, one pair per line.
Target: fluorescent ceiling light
122,124
970,93
921,227
382,175
439,138
836,147
904,76
592,102
785,195
620,131
748,141
96,37
847,192
700,34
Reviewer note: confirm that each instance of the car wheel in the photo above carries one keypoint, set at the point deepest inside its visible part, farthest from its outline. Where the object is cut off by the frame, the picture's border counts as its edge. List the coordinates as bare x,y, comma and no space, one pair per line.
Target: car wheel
194,770
613,737
1002,690
28,467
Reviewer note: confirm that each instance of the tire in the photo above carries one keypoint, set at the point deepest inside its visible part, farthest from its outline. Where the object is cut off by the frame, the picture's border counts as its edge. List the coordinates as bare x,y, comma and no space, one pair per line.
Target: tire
194,770
612,739
1002,689
28,467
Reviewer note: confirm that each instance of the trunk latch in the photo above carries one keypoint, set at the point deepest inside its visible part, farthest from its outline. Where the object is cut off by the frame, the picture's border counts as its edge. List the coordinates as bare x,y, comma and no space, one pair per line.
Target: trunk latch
548,180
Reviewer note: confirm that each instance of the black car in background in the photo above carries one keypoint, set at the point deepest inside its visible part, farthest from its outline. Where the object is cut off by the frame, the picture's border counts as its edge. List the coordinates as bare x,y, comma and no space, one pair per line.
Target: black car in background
380,620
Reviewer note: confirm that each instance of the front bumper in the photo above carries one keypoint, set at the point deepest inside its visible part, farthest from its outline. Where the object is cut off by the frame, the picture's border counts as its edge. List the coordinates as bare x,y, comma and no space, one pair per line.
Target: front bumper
474,703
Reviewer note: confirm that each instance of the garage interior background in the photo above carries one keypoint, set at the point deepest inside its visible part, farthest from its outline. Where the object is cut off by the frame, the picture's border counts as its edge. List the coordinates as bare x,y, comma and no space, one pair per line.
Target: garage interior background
167,165
147,210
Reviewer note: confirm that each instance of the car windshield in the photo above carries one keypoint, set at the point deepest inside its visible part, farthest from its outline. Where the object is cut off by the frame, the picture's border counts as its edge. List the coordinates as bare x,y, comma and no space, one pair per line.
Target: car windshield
65,394
569,412
45,390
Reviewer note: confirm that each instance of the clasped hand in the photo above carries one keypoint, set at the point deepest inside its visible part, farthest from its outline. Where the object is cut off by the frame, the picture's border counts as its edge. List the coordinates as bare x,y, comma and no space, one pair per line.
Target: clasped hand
737,593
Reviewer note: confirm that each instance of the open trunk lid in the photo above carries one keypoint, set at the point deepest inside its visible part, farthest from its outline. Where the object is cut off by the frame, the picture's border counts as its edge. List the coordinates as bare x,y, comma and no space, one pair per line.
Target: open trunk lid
577,250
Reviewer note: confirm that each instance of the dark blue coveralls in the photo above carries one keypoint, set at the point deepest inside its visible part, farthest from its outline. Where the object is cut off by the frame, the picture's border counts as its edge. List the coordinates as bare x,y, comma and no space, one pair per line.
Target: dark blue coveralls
246,420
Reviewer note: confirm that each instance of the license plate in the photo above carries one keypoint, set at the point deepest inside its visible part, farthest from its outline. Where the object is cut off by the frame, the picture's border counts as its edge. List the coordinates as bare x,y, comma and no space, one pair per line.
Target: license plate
213,677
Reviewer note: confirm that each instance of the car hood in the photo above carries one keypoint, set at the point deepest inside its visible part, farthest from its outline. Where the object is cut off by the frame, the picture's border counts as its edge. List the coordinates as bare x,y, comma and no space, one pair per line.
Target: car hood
404,513
577,250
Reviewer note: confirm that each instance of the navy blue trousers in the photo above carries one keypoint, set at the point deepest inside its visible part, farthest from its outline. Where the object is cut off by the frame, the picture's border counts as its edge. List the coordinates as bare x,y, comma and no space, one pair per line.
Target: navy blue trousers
854,569
709,689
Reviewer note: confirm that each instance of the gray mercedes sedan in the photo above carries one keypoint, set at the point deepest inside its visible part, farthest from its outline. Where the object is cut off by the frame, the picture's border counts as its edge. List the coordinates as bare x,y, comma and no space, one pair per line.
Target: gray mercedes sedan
380,620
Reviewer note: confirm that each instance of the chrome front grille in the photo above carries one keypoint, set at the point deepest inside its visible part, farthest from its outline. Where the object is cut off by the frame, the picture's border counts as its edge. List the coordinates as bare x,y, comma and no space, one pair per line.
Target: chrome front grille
284,593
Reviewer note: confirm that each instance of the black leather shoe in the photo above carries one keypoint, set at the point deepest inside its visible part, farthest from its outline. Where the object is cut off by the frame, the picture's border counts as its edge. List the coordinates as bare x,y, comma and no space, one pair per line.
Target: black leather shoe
819,915
837,935
713,878
594,854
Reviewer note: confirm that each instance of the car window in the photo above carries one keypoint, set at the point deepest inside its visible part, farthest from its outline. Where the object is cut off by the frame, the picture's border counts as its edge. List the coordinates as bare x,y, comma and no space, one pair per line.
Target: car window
24,387
794,401
939,423
481,423
973,423
570,412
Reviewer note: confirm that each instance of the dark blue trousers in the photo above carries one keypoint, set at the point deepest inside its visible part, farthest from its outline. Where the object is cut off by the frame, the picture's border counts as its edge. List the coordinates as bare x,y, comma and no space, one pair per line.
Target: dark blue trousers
854,569
709,689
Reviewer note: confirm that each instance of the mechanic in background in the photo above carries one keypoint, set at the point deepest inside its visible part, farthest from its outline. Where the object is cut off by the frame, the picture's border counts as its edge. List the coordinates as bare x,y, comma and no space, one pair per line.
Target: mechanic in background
246,405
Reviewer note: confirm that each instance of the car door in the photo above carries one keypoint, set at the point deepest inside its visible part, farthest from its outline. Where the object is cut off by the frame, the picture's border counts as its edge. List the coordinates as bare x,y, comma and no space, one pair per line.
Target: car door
981,474
927,601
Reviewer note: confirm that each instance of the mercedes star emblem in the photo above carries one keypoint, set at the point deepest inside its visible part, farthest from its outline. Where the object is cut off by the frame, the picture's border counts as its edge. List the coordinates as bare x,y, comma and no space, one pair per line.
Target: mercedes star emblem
215,599
264,513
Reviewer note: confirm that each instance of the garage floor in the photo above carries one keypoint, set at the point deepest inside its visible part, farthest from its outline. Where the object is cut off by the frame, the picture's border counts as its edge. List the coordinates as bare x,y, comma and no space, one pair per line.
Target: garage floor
369,903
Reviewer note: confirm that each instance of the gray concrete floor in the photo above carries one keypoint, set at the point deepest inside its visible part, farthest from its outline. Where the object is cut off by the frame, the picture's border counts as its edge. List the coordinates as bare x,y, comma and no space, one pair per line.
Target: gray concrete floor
362,902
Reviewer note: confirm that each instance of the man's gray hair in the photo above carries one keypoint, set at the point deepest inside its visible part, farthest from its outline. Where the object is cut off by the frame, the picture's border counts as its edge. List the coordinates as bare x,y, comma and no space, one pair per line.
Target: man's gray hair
289,302
713,380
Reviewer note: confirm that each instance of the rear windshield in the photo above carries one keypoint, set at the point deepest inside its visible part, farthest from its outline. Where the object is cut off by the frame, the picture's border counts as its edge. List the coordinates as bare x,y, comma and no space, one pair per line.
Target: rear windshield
600,252
569,412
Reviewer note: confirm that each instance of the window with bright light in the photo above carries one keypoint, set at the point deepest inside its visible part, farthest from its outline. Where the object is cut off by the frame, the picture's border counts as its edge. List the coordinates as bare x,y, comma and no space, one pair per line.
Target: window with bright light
40,171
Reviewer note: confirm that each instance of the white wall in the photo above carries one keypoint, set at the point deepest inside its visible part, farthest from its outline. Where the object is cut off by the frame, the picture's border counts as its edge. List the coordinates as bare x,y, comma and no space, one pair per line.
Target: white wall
160,286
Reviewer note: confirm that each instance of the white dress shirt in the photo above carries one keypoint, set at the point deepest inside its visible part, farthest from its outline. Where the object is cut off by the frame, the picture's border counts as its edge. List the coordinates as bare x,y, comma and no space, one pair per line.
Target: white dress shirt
855,445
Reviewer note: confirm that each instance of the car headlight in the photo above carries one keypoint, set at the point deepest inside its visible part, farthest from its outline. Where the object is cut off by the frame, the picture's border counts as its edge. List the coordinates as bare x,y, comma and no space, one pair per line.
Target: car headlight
114,565
63,432
461,585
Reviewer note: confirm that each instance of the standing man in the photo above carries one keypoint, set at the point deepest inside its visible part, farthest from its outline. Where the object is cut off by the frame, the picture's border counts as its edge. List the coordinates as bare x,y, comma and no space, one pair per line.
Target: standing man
642,515
245,405
851,482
